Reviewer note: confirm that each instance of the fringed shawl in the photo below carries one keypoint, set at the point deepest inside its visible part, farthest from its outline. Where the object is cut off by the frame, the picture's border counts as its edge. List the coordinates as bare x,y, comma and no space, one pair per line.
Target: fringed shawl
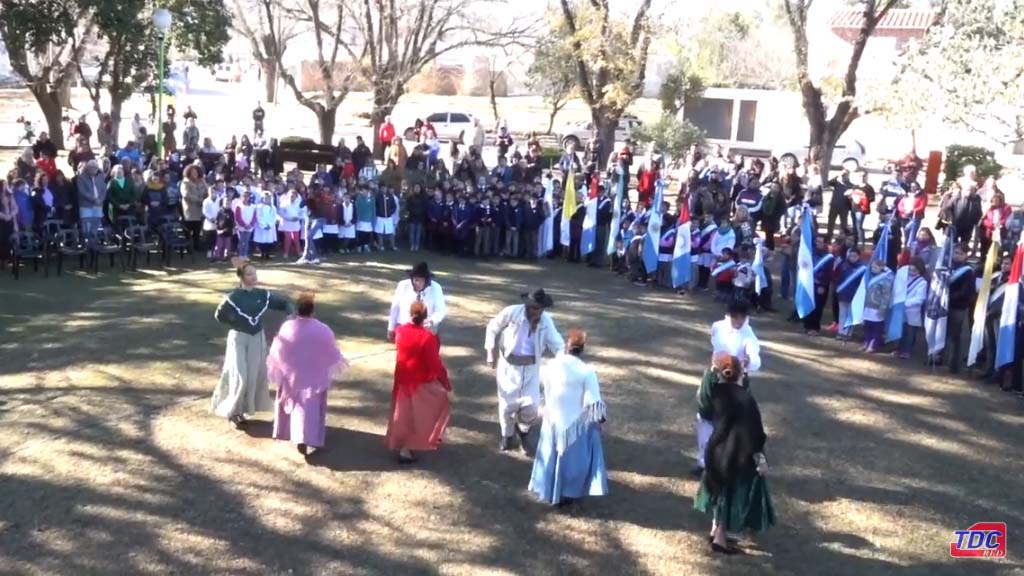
572,399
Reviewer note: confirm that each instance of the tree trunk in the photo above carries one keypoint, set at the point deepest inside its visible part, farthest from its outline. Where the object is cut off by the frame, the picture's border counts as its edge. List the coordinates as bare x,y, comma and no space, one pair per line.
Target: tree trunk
269,68
49,103
551,117
115,119
327,118
606,121
64,92
491,83
383,104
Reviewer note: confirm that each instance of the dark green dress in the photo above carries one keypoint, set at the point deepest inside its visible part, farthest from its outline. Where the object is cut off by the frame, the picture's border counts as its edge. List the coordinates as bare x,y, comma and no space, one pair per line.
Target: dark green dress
743,501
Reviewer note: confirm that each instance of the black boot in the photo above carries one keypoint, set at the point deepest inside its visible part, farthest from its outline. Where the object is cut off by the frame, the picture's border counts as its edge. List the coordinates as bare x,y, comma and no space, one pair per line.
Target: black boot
524,443
505,444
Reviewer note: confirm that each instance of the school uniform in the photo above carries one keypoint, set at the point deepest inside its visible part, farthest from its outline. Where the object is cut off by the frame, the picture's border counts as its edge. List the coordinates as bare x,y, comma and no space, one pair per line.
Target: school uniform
462,221
962,293
485,222
346,225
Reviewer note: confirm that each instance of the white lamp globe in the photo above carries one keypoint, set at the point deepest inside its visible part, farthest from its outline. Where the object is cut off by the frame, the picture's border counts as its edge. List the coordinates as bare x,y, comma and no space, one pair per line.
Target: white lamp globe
162,20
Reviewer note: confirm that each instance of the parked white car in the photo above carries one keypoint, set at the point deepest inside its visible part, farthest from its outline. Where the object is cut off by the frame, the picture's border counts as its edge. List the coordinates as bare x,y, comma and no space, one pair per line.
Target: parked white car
448,125
225,72
848,153
580,134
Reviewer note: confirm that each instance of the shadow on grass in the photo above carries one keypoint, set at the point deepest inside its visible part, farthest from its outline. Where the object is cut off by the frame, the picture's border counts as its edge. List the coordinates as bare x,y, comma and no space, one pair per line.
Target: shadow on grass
654,343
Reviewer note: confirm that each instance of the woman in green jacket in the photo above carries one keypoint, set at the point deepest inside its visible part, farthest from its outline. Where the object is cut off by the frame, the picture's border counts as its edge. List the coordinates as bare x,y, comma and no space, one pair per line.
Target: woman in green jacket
120,196
243,380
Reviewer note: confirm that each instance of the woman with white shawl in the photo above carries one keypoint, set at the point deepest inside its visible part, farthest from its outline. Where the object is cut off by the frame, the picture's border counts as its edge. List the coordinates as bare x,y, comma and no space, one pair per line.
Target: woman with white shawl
569,463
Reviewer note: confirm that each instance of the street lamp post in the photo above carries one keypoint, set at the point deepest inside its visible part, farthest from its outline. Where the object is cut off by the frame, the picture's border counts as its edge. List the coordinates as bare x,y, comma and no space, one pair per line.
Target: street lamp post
162,22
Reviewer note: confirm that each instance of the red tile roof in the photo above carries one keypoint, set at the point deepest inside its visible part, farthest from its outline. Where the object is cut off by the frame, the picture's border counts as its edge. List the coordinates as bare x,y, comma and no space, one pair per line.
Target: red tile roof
893,20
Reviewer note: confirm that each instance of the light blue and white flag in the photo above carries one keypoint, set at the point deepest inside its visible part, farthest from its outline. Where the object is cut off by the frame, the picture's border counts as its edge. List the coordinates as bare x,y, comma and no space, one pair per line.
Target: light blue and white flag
654,229
898,310
588,239
860,297
682,267
805,266
937,305
760,278
620,193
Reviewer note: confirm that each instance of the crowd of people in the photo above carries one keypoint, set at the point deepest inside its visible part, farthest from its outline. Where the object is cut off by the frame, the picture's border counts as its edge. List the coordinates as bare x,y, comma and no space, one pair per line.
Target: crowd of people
744,216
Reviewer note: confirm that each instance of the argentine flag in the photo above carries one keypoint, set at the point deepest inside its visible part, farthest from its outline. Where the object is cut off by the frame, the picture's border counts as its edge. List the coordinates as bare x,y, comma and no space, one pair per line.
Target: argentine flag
589,237
760,279
805,267
937,306
860,298
1006,341
620,193
682,268
654,230
898,311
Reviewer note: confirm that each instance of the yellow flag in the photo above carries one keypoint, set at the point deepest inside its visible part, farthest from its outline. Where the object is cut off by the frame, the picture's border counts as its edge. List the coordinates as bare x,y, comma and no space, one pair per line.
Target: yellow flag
568,206
981,306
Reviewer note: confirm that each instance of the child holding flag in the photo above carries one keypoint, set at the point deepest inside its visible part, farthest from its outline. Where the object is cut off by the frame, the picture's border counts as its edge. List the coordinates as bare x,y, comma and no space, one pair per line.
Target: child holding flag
962,290
877,301
848,280
822,282
913,319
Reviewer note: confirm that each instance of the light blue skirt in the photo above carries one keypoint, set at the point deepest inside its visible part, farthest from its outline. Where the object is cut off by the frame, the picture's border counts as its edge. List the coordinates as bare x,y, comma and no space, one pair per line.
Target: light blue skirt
578,472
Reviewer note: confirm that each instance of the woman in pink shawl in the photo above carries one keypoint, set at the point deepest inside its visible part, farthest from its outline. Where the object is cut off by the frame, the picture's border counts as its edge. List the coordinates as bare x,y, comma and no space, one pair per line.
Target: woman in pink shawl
302,361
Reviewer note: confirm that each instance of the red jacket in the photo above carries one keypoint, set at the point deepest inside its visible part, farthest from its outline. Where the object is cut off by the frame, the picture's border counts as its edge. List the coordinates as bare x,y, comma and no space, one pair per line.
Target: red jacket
995,218
913,206
418,360
645,187
387,133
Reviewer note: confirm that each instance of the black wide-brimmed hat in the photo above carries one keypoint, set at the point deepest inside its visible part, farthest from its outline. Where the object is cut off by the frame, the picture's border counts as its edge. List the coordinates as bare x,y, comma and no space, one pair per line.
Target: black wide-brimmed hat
421,270
538,298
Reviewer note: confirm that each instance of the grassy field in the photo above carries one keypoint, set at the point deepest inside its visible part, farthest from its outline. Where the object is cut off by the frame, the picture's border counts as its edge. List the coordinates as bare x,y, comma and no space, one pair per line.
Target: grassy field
111,463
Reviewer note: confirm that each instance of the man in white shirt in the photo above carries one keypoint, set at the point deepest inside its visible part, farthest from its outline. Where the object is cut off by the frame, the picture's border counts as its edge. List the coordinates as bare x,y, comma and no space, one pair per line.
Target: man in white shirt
420,286
517,340
735,337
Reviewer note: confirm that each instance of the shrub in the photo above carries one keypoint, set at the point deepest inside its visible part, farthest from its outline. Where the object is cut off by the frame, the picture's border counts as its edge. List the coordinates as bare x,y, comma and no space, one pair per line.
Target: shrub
670,136
958,156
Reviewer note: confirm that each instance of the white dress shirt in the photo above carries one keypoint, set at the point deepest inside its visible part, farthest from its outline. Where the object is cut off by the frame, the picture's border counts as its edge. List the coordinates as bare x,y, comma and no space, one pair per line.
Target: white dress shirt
405,295
741,343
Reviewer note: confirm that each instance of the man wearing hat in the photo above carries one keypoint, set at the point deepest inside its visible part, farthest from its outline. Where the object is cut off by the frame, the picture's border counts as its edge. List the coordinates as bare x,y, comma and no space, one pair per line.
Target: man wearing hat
516,341
420,286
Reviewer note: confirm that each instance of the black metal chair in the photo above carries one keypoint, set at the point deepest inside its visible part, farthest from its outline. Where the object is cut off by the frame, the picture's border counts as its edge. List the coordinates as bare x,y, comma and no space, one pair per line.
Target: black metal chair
175,238
105,242
70,244
27,245
125,222
140,240
49,231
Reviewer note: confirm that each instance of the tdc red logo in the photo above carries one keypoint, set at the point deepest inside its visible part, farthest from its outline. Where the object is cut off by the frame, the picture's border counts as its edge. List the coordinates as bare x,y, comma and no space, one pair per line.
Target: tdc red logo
982,540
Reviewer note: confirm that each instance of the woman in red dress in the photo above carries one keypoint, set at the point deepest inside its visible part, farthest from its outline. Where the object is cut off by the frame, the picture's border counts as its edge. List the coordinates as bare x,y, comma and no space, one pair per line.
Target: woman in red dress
420,407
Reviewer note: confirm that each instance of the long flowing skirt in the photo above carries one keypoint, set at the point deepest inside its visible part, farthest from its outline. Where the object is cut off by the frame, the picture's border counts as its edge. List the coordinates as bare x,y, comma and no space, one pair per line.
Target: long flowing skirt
579,471
243,380
745,505
418,421
307,423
